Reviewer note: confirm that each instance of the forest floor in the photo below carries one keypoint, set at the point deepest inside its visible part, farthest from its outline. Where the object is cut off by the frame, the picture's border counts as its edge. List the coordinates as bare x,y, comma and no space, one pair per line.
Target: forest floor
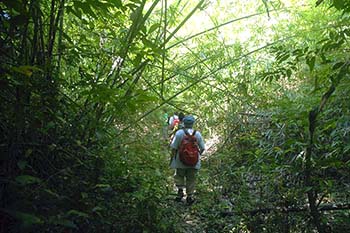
192,221
206,212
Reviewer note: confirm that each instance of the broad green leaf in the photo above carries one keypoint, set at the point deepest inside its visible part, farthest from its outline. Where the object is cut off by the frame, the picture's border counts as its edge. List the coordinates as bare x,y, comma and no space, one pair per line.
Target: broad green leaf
22,164
339,4
153,28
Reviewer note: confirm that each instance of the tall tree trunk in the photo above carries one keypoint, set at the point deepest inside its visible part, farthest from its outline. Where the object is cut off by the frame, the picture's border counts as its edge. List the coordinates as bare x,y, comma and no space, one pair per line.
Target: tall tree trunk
312,193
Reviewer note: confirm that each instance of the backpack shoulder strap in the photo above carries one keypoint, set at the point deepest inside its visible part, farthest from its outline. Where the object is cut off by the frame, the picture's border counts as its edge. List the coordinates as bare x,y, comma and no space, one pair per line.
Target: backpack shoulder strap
194,132
186,132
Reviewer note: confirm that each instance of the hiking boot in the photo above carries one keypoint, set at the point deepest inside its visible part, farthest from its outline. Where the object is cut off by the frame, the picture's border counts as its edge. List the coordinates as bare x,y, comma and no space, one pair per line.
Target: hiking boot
189,200
180,195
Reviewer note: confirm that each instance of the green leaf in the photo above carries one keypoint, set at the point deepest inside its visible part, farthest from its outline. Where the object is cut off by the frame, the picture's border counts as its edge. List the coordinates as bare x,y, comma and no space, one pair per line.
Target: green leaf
307,189
117,3
347,32
153,28
77,213
67,37
27,179
310,61
85,7
51,193
339,4
97,209
319,2
347,149
50,125
282,58
22,164
337,65
102,186
77,12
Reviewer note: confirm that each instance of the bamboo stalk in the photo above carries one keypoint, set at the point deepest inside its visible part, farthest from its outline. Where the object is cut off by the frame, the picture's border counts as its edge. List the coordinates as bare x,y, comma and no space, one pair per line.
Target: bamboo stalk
164,52
200,3
132,32
193,84
219,26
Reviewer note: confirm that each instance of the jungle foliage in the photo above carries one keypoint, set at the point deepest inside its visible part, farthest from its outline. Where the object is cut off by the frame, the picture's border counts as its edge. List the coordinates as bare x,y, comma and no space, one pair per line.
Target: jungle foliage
84,85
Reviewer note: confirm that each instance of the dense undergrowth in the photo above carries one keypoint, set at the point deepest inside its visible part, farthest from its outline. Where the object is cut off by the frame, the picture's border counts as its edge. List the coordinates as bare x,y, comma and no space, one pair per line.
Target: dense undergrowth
261,170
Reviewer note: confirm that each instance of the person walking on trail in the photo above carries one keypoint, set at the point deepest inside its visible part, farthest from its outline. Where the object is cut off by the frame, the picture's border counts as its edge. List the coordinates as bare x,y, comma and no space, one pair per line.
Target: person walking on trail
181,118
187,147
173,120
178,125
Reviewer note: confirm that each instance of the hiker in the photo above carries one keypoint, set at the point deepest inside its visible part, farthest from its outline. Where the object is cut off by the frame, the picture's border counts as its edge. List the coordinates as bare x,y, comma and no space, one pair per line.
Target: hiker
177,125
173,120
185,175
181,118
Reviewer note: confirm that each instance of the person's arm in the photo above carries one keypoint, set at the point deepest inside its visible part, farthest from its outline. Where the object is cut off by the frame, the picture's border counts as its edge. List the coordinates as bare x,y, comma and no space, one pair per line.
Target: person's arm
173,152
175,144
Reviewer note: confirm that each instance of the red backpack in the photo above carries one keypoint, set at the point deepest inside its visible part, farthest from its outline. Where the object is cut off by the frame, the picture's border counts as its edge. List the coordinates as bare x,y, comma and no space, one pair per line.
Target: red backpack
189,150
175,123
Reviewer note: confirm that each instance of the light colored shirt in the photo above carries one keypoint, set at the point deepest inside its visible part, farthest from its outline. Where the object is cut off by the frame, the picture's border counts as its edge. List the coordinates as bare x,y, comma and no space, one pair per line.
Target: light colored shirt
175,144
172,118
